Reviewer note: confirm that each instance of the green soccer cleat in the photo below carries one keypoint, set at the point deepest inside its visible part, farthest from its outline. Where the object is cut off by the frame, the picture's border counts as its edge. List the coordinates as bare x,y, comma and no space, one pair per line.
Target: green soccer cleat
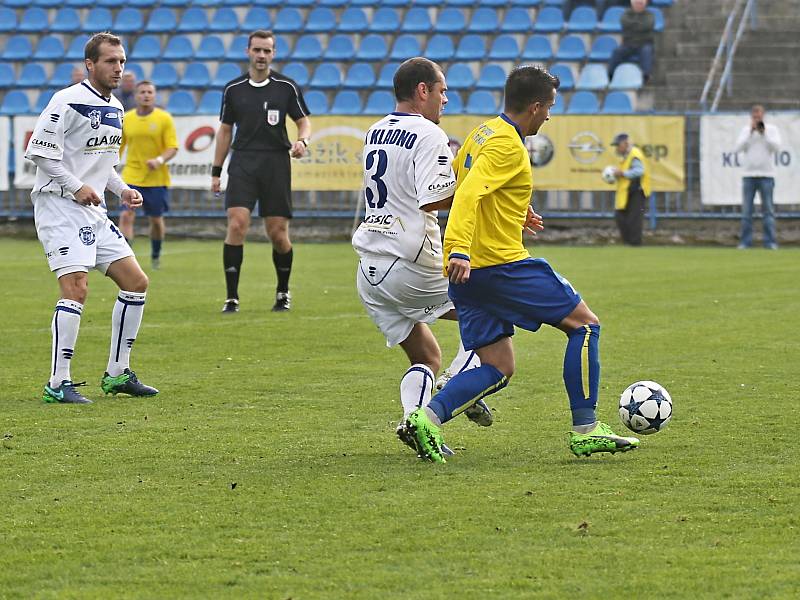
126,383
600,439
428,436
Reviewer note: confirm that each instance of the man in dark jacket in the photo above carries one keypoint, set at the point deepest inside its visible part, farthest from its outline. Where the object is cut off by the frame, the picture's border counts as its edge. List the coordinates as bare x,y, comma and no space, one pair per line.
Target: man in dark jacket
638,36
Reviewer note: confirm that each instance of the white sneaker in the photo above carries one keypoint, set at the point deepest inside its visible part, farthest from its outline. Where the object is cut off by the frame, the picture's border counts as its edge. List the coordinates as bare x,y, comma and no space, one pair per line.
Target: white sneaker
443,379
480,413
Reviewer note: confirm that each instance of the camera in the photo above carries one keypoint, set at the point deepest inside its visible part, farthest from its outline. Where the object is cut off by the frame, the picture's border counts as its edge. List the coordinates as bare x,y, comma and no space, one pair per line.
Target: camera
760,126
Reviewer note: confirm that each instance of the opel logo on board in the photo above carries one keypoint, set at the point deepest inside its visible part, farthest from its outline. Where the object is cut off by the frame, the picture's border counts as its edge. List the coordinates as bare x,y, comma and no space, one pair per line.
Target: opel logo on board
585,147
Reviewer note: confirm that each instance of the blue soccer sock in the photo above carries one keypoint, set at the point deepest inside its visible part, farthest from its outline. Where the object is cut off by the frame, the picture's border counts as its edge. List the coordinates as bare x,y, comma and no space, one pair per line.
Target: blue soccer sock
465,389
582,373
155,248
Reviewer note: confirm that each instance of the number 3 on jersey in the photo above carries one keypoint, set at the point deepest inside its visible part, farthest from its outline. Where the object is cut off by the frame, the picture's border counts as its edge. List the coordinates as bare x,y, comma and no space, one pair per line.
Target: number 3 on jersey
376,186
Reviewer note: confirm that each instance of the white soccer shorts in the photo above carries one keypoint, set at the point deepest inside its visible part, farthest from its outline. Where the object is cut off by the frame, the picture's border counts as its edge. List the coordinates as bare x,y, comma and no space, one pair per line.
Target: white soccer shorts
76,236
398,294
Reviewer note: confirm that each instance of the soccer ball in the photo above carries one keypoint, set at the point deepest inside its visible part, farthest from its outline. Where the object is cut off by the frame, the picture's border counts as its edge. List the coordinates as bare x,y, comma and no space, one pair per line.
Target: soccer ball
645,407
608,175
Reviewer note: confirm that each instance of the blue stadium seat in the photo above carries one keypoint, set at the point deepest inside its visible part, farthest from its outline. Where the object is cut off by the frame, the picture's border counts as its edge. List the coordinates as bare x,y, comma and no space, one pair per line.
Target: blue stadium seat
141,3
265,3
164,75
34,19
162,20
471,47
627,76
661,2
353,20
516,20
460,77
565,75
481,102
66,20
379,102
385,20
178,47
225,73
455,105
593,77
610,23
558,107
195,75
492,77
326,76
484,20
659,24
288,20
49,48
405,46
32,76
571,48
211,48
282,47
8,77
301,3
224,21
451,20
617,103
360,76
43,100
583,103
129,20
340,48
582,20
8,20
135,69
172,3
316,101
193,19
17,3
97,19
181,102
396,3
47,3
440,48
417,20
504,47
210,102
258,18
18,47
308,47
530,3
321,20
334,3
386,75
238,49
297,72
62,76
79,3
147,47
493,3
537,48
549,20
346,102
75,50
15,102
602,48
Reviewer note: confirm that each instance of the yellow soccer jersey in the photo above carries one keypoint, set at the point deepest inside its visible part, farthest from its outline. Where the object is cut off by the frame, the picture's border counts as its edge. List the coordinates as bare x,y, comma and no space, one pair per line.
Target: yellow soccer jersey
145,137
493,191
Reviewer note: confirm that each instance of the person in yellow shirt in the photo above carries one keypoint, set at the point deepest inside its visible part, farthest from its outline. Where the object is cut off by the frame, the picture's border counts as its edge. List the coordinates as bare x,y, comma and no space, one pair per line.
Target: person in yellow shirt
633,189
148,135
495,285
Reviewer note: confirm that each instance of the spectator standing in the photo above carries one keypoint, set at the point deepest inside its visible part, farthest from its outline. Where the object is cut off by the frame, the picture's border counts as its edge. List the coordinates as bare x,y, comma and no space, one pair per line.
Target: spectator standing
633,189
126,93
758,142
149,136
260,171
638,39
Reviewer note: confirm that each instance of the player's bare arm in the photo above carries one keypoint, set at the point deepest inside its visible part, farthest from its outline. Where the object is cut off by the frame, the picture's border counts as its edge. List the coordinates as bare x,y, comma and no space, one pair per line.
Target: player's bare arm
438,205
223,146
299,147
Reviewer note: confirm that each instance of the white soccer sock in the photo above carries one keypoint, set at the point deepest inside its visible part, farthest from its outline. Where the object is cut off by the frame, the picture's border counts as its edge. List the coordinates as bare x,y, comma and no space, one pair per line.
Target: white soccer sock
415,388
125,320
464,359
64,327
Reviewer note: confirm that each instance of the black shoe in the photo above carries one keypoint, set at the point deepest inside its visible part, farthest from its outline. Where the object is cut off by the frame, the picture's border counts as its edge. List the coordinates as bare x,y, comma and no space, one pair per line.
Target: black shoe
231,306
127,383
64,394
283,301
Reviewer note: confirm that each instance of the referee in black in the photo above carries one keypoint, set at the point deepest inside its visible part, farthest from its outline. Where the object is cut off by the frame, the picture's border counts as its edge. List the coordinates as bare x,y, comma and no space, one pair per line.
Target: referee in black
260,170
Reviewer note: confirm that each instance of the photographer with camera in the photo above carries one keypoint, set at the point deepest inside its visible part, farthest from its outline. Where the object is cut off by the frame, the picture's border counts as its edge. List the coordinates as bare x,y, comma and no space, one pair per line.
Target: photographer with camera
758,144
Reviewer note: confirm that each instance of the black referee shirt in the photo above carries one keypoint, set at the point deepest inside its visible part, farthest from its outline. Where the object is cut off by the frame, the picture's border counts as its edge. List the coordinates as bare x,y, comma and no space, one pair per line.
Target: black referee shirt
259,111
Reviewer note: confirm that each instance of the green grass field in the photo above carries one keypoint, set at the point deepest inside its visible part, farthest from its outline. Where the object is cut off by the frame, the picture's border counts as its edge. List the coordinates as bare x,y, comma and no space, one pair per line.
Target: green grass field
267,467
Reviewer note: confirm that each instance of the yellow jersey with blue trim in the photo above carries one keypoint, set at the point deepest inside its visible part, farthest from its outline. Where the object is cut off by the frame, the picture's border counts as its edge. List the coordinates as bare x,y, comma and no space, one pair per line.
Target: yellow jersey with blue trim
145,137
493,192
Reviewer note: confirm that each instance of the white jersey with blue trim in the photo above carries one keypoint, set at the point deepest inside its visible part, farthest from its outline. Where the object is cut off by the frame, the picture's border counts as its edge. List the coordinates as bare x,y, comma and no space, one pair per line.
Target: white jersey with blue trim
407,164
83,130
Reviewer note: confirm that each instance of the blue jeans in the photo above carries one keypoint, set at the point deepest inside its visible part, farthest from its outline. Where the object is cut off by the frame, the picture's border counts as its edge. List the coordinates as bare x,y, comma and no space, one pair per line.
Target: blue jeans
764,186
643,56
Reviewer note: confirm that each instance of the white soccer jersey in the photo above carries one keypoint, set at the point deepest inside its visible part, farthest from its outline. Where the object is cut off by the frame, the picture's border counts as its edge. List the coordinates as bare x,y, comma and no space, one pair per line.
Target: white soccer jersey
407,164
83,130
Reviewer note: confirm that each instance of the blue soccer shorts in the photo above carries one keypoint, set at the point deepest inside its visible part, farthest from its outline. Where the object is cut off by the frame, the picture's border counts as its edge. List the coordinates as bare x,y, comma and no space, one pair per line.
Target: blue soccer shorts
524,293
154,199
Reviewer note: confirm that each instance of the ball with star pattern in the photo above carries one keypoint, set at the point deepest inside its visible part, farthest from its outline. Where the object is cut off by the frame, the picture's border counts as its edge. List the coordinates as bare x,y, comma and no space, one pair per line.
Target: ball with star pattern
645,407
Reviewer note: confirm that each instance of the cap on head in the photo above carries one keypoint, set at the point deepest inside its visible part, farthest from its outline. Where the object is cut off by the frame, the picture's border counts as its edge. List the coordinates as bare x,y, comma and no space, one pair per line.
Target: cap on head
619,138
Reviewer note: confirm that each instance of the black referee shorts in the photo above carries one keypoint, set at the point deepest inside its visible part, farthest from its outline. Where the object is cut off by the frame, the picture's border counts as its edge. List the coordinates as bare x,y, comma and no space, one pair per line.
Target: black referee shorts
263,178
